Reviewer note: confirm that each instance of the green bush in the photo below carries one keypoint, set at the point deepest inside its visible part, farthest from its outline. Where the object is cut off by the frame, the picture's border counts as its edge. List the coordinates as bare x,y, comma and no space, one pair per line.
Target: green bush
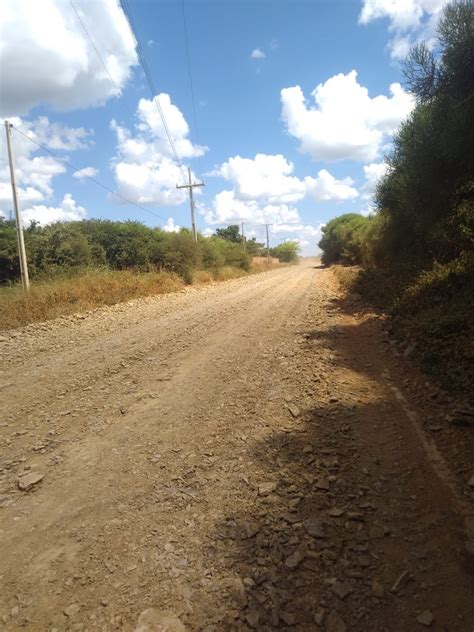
66,248
287,252
417,251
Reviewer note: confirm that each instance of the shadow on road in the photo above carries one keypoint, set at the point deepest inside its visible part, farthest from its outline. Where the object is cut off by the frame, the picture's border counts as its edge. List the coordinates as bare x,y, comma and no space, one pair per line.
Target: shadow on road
348,528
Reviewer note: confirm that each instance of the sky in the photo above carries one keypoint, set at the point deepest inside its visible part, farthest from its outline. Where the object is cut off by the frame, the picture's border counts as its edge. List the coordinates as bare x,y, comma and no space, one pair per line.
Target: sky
284,108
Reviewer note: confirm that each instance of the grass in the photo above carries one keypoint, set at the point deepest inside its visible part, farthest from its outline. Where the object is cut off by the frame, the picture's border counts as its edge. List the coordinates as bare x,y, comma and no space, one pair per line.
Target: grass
48,299
90,289
432,312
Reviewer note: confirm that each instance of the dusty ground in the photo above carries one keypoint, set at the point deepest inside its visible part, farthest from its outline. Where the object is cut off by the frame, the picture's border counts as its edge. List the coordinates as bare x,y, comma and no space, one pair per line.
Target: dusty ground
249,455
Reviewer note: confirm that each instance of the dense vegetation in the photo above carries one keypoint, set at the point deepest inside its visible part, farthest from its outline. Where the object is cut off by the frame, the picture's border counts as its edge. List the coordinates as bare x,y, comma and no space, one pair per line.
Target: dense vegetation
286,252
70,247
417,250
77,266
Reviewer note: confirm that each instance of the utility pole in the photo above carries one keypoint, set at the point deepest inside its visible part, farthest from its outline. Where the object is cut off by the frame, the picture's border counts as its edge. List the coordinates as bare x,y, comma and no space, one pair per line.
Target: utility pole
191,186
25,280
268,240
243,236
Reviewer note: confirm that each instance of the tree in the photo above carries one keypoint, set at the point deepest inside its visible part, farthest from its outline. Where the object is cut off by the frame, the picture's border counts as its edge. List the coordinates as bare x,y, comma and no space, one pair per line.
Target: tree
231,233
342,239
9,263
255,248
287,252
427,195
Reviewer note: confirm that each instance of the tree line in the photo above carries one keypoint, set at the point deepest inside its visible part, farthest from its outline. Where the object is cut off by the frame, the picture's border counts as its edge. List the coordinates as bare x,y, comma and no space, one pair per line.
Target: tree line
416,250
425,202
68,248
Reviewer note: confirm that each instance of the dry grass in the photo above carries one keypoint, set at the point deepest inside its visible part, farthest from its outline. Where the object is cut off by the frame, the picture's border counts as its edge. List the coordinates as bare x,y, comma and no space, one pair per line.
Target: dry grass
51,298
263,266
202,276
57,297
227,272
346,275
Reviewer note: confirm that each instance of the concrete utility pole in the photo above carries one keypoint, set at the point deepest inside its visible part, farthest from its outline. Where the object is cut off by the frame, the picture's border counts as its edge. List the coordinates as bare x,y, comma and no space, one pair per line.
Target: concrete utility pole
191,186
243,236
268,240
25,279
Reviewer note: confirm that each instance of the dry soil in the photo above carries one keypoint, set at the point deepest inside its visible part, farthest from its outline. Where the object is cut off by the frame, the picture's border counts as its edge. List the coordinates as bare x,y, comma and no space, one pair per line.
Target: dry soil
252,455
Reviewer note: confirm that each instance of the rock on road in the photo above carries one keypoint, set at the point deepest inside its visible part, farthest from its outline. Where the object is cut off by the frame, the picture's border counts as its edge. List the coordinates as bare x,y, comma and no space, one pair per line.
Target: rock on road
238,456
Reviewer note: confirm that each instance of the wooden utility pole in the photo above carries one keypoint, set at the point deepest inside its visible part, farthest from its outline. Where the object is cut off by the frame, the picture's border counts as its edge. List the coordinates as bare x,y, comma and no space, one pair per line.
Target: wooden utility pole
191,186
25,279
268,240
243,236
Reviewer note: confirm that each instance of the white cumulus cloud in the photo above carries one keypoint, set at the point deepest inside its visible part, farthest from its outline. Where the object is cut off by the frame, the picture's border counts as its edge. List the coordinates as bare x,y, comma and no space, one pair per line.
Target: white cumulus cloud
67,211
226,208
373,173
271,178
328,189
345,122
33,169
144,167
257,53
85,172
265,190
170,226
263,177
47,59
408,20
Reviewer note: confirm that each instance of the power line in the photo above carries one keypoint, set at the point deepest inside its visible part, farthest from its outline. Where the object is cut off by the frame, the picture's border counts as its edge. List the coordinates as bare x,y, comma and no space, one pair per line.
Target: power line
188,57
84,28
151,85
85,175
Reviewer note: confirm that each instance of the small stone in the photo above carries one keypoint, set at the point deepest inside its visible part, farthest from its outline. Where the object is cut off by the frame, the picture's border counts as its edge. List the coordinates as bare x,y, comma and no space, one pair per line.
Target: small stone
253,618
294,410
237,589
250,529
104,602
319,616
71,610
27,481
322,483
288,618
5,500
335,512
334,623
426,618
265,489
470,482
291,518
314,527
293,560
15,611
341,589
377,589
154,620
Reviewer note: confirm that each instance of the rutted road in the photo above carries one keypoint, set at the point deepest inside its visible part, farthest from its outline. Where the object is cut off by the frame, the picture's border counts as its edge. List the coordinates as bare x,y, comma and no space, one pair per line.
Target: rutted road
235,453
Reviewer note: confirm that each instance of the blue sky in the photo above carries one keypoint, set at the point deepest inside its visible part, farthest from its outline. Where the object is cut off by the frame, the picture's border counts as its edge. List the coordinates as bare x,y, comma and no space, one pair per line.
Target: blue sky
268,147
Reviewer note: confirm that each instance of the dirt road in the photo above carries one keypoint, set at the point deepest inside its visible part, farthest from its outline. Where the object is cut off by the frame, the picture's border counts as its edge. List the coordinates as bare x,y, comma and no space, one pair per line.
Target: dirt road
246,455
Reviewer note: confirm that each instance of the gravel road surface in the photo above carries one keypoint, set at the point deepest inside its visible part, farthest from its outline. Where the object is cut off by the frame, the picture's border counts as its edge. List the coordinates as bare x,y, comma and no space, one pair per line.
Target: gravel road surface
241,456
